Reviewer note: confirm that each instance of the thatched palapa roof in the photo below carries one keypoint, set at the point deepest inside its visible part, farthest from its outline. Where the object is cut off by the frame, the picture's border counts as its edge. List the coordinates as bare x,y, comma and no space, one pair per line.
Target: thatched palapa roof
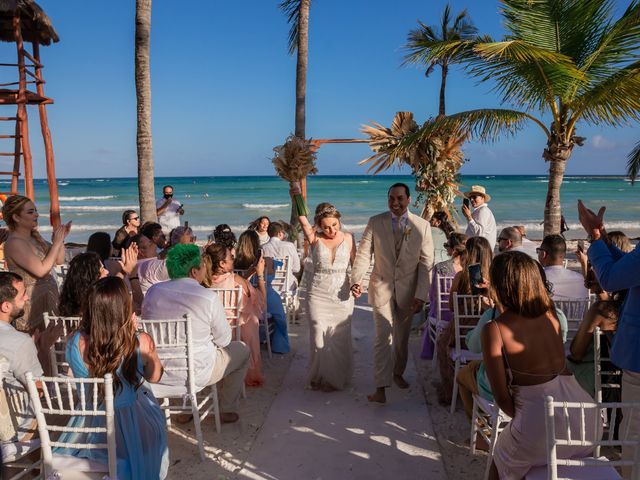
35,24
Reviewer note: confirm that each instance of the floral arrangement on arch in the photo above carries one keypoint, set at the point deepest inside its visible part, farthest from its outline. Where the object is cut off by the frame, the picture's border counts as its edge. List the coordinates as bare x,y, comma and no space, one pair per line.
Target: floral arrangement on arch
293,161
435,159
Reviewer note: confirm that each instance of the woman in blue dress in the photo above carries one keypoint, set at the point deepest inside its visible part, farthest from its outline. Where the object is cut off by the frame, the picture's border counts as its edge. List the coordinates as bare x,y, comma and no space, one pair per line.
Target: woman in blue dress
246,256
107,342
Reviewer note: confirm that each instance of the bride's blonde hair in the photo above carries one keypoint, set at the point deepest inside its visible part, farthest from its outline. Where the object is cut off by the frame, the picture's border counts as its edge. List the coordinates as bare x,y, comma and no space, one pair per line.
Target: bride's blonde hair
325,210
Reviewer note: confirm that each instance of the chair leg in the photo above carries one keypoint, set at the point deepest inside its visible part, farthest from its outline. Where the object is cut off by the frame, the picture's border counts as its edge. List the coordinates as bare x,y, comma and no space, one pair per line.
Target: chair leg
495,428
474,427
268,335
454,394
434,359
216,407
198,427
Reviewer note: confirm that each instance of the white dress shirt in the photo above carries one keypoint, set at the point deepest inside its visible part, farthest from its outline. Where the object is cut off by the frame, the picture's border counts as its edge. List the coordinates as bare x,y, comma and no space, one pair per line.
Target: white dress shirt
567,284
150,272
172,299
276,248
170,218
483,224
523,249
400,221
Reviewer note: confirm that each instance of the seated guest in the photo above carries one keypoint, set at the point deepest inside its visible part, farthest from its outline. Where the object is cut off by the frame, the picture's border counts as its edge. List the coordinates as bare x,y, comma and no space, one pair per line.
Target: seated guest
182,235
153,231
457,252
511,240
100,243
620,240
528,246
19,356
566,284
440,231
246,259
478,251
217,357
277,247
261,225
219,261
107,342
150,268
524,357
224,235
84,270
129,228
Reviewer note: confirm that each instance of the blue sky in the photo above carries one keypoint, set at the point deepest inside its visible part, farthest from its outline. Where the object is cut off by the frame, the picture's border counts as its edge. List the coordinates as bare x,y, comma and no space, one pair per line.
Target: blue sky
223,88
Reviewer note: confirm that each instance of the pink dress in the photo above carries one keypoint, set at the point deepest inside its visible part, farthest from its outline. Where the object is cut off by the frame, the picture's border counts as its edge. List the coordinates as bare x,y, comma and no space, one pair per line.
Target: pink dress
253,306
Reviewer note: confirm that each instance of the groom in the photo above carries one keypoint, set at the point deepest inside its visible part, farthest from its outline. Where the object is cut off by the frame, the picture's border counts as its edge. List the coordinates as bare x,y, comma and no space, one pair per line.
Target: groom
401,245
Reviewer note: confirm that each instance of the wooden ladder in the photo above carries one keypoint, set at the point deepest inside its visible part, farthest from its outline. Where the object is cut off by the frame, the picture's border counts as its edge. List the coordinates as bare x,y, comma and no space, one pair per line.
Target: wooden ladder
16,154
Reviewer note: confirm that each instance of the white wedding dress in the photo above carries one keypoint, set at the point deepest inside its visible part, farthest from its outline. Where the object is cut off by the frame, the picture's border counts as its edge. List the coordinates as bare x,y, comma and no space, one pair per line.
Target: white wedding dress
330,306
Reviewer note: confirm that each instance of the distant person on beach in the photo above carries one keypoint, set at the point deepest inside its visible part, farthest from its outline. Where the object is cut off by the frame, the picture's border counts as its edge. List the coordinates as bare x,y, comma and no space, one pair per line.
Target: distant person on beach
565,284
217,355
129,228
617,271
481,223
330,304
168,210
400,245
261,225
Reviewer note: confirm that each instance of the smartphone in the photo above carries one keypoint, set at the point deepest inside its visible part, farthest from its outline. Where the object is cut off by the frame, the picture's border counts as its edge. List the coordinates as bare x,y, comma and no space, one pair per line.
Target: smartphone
186,224
466,202
581,245
475,278
259,255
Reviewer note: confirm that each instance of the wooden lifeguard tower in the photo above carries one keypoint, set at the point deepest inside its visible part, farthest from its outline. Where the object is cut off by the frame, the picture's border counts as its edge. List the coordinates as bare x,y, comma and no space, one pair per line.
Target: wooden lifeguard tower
24,21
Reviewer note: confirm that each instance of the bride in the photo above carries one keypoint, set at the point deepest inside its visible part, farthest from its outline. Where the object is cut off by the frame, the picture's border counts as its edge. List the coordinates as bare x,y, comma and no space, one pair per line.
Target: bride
330,303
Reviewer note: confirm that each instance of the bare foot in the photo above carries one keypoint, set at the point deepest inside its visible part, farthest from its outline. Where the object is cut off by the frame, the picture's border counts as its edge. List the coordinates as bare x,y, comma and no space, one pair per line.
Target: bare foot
379,396
229,417
400,382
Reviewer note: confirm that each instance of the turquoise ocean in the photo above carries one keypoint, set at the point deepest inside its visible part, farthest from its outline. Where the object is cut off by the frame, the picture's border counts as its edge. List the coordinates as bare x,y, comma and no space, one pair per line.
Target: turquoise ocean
96,204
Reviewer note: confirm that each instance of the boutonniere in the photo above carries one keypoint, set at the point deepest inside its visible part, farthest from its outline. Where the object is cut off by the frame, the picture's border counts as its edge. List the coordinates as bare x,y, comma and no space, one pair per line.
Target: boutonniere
407,232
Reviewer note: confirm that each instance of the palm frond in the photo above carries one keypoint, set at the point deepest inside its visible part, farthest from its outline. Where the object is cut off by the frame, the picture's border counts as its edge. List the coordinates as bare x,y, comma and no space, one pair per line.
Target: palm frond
291,9
633,163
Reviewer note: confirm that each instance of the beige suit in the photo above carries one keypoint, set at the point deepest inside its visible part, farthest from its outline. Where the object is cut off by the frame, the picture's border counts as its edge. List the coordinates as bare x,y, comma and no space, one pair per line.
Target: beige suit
402,272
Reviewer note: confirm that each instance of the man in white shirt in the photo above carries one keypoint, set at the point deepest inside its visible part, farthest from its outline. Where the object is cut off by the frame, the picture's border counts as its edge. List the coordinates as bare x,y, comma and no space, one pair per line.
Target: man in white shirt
217,357
168,210
19,357
277,247
511,240
150,269
528,246
566,284
481,222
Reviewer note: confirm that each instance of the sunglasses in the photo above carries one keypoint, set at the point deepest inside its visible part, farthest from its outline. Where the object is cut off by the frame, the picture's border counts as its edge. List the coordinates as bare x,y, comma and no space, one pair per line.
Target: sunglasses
134,218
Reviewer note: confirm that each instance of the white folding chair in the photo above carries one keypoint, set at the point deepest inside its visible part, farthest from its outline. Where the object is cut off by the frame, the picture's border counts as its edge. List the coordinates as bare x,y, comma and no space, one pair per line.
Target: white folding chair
574,310
17,455
487,420
436,324
59,273
231,299
77,397
282,278
466,313
59,365
588,467
174,344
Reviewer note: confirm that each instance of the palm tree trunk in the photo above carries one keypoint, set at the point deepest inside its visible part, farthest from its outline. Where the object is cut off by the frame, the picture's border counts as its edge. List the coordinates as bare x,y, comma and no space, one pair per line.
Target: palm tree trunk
146,191
301,85
557,153
443,87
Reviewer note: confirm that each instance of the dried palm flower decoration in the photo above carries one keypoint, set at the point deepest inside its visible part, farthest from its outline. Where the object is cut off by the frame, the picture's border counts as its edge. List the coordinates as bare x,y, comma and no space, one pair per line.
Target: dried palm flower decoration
294,161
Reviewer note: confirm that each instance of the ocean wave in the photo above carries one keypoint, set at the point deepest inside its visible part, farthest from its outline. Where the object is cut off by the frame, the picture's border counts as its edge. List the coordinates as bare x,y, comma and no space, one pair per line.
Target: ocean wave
264,206
81,199
535,227
63,184
97,208
78,227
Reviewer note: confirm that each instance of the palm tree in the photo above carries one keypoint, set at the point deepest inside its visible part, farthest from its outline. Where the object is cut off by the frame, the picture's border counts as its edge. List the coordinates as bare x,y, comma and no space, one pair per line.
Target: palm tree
297,12
422,40
568,59
633,163
146,192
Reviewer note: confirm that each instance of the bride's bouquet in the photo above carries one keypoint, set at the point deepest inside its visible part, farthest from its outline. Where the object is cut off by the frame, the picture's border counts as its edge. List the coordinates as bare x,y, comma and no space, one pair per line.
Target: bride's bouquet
293,161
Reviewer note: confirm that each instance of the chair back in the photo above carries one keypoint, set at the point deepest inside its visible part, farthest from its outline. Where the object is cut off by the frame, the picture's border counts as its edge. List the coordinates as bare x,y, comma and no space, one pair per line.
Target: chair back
59,364
466,313
587,436
231,299
78,397
443,286
574,310
174,345
59,273
282,275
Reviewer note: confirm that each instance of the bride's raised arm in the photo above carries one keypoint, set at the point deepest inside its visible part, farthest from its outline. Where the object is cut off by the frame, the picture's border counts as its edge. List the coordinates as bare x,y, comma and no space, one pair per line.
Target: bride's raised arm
308,229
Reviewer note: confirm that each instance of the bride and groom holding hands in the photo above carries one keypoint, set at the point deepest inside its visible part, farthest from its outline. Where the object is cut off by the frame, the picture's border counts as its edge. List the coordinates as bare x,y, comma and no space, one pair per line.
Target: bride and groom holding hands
400,246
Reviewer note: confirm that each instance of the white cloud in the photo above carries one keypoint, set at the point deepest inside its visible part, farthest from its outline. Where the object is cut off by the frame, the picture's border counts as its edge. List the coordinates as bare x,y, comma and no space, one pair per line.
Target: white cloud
600,142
